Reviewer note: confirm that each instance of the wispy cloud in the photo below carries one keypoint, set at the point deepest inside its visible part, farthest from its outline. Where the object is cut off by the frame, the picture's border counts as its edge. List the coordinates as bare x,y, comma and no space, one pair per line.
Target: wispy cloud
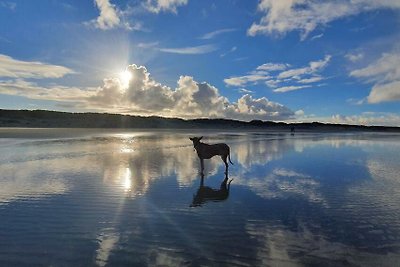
157,6
191,50
245,91
313,67
250,79
282,77
8,4
354,57
281,17
273,66
213,34
318,36
233,49
13,68
285,89
148,45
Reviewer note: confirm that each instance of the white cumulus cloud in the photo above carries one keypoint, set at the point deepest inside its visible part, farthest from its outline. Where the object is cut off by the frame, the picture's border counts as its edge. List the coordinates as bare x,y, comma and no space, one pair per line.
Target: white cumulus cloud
108,17
142,95
190,99
385,74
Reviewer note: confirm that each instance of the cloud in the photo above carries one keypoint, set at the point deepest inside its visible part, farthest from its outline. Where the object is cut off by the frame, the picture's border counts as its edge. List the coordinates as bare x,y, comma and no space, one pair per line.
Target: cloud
145,96
317,36
314,66
213,34
108,18
385,74
311,80
13,68
273,66
281,75
8,5
245,91
281,17
246,79
368,118
190,99
285,89
354,57
233,49
34,91
192,50
156,6
384,93
147,45
249,108
111,17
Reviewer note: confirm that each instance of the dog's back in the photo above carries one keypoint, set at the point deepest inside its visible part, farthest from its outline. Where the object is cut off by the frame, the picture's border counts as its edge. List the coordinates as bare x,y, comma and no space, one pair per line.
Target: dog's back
206,151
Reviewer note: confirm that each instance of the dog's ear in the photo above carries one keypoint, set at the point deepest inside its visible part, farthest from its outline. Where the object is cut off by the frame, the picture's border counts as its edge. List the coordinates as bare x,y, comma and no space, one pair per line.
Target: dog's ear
200,138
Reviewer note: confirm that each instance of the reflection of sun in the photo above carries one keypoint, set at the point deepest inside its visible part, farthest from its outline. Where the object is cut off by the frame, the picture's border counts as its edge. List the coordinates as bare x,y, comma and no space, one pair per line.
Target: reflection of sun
125,77
126,180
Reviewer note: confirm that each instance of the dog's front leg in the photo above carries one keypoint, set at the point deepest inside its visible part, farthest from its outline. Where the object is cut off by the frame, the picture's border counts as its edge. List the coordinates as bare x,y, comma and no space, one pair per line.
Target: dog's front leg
202,165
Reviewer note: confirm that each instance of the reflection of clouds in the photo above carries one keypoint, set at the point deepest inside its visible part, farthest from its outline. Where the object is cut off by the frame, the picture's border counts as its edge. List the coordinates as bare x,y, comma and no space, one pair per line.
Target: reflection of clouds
282,247
165,256
27,180
119,168
282,183
250,152
107,240
381,192
128,162
148,159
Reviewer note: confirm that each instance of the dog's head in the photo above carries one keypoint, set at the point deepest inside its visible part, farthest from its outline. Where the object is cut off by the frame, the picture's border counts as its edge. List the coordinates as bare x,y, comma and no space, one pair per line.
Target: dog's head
195,140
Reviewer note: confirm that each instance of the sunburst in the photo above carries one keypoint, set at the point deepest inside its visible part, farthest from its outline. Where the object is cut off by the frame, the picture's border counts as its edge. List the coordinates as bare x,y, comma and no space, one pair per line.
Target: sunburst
125,77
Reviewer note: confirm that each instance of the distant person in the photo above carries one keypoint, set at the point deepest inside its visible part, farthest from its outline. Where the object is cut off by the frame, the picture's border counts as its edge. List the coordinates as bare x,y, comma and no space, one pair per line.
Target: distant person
292,130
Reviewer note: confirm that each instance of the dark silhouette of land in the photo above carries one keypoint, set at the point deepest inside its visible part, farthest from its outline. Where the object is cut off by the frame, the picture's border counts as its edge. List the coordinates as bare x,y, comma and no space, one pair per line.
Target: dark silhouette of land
56,119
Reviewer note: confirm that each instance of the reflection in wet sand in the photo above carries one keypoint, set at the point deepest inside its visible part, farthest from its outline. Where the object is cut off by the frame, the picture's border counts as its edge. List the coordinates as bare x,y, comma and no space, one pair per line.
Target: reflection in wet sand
123,199
206,193
282,247
107,240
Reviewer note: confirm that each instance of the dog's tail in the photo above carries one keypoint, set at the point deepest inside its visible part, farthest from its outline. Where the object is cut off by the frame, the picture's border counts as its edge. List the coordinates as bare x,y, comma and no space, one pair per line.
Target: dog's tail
229,157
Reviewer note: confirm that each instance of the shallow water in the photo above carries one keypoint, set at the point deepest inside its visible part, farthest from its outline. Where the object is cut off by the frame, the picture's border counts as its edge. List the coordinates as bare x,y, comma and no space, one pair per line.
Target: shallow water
77,197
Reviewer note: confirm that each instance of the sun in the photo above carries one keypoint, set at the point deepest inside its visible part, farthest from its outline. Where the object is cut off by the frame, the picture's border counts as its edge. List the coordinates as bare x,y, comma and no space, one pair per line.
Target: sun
125,77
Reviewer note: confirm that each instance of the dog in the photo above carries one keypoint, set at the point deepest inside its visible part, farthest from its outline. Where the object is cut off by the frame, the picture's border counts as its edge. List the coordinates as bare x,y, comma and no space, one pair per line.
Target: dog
206,151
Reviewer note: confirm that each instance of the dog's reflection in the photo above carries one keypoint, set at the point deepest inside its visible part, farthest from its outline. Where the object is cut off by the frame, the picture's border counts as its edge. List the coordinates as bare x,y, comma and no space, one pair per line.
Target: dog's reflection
206,193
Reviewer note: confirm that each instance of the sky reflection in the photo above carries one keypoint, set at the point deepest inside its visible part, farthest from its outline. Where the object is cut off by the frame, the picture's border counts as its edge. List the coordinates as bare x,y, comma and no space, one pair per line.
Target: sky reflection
124,199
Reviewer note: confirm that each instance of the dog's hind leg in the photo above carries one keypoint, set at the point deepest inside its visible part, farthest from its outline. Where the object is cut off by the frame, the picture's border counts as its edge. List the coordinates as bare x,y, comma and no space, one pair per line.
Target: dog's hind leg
224,157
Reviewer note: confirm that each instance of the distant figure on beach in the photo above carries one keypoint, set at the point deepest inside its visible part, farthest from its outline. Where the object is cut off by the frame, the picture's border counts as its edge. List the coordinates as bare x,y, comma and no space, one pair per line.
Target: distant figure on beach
205,193
292,130
206,151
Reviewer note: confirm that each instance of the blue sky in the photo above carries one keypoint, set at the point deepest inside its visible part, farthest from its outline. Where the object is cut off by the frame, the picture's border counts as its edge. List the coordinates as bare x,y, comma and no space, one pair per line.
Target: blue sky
288,60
